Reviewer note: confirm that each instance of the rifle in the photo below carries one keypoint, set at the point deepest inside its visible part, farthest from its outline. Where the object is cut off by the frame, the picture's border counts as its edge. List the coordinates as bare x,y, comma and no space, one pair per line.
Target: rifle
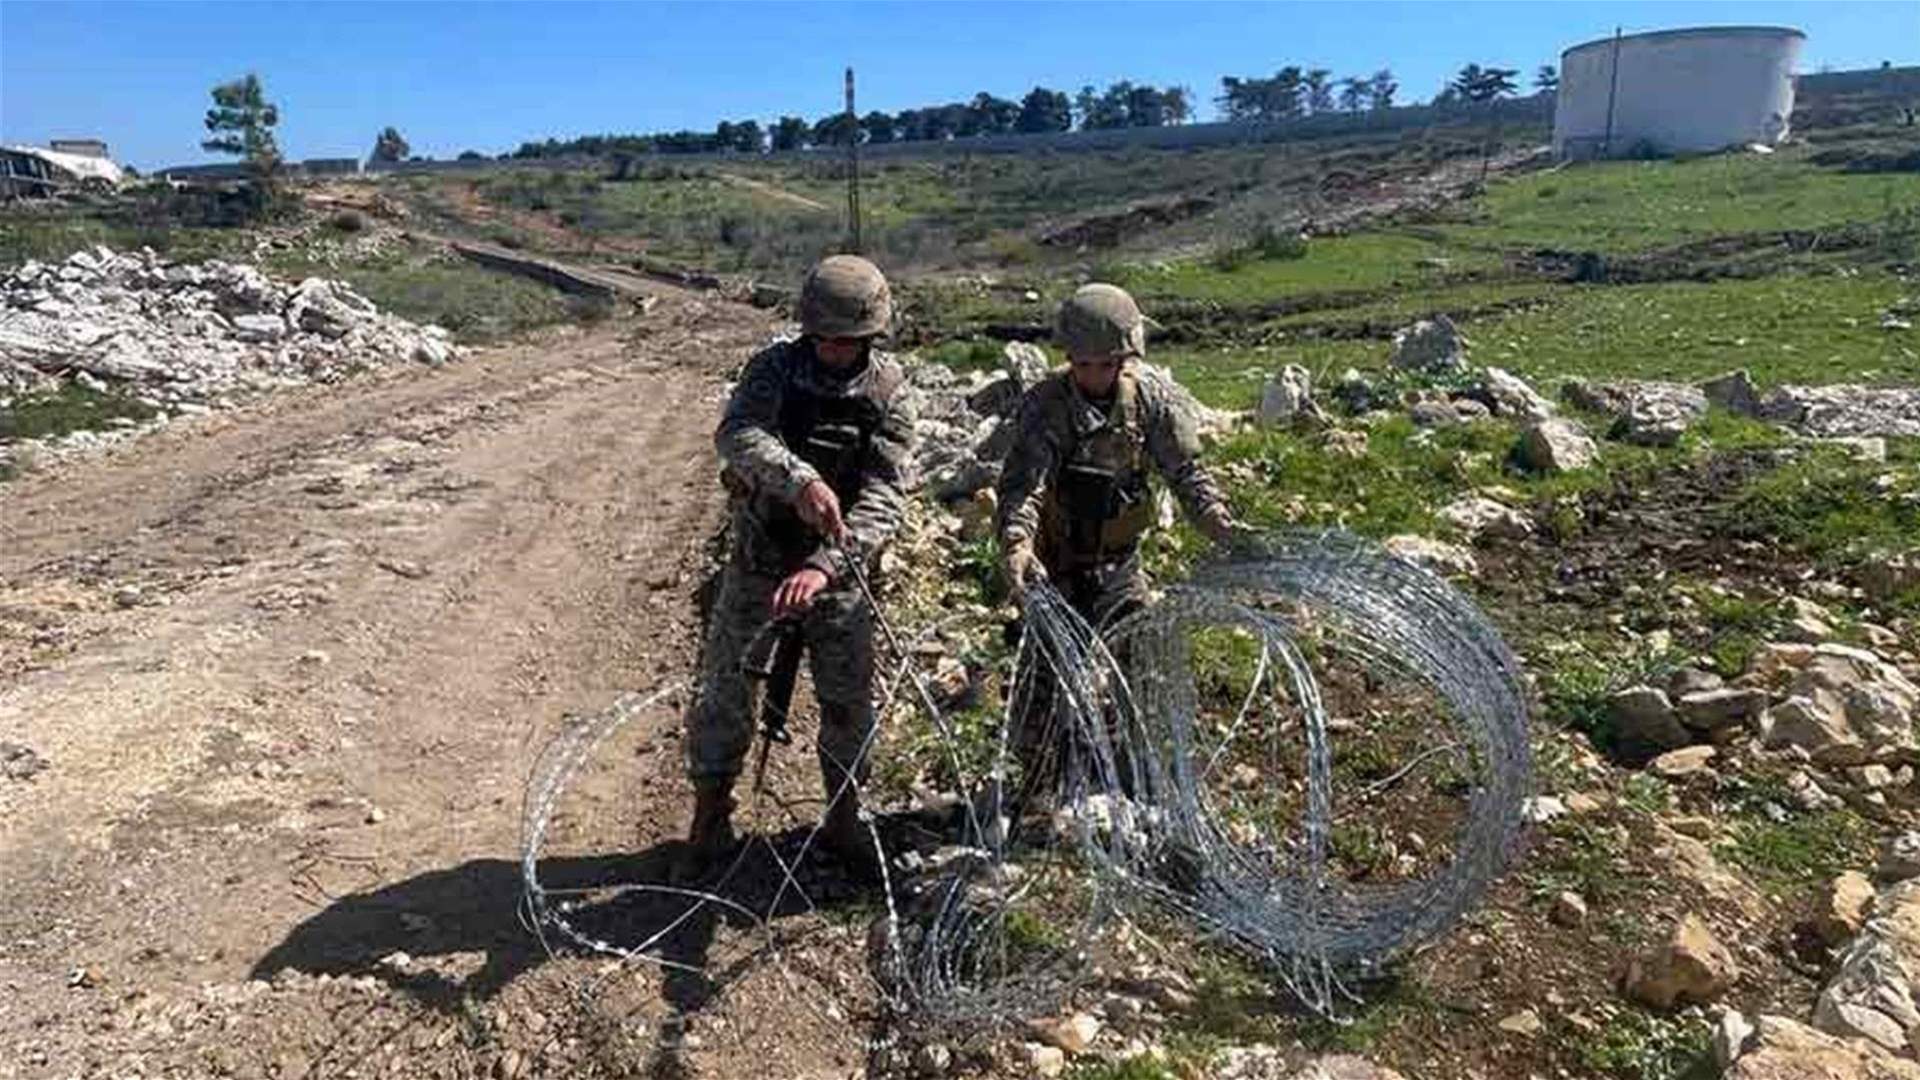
777,670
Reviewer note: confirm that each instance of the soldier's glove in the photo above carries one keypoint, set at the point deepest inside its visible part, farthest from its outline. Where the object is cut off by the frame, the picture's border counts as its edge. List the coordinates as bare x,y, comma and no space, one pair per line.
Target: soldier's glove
1024,569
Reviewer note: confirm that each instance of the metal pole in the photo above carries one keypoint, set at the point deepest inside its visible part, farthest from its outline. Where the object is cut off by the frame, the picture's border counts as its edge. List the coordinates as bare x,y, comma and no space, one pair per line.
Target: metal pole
1613,87
853,170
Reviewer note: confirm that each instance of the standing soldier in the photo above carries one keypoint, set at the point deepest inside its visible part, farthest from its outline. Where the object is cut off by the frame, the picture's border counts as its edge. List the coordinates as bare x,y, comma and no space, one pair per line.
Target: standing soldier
815,447
1074,497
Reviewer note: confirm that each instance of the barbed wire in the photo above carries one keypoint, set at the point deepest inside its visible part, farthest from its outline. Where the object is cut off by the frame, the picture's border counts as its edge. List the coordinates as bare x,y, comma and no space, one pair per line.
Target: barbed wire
1112,790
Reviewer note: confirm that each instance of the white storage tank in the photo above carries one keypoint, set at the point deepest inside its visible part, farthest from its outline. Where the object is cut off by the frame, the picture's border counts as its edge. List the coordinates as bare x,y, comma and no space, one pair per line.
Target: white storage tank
1676,91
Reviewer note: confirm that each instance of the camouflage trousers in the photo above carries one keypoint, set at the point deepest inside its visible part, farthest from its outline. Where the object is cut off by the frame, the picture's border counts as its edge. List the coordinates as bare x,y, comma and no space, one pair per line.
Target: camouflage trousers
838,632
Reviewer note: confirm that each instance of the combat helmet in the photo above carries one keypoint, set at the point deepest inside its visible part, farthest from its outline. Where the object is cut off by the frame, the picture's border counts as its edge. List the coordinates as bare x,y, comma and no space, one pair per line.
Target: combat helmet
1101,320
845,296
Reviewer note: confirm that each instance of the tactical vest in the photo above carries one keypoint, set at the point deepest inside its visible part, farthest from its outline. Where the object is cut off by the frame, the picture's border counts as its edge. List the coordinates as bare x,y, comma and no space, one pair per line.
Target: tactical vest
1099,503
834,434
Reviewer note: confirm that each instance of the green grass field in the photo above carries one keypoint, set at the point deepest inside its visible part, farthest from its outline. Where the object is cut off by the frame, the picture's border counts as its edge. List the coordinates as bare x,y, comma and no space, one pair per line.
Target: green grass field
1626,206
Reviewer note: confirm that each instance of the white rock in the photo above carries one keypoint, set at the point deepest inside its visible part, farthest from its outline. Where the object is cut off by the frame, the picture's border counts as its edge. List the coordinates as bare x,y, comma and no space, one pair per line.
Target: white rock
1524,1022
1557,445
1511,396
1730,1034
1435,555
1430,345
259,327
1541,809
1287,398
1475,515
1900,856
1569,909
1073,1034
1046,1061
1682,763
1025,363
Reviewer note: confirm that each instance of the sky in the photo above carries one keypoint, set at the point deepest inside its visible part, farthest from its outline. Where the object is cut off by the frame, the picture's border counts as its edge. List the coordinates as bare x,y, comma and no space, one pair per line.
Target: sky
487,76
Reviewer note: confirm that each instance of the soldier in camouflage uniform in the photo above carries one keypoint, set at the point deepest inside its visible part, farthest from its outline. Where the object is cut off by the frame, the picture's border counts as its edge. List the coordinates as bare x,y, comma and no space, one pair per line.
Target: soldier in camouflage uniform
1075,497
815,444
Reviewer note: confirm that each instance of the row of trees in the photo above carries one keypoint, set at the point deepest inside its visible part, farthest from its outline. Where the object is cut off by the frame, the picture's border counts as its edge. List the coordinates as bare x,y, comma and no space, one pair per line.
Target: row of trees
1292,93
242,120
1123,104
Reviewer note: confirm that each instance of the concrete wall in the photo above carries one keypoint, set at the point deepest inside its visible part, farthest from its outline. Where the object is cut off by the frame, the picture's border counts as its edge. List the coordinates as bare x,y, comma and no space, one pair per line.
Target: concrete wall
1676,91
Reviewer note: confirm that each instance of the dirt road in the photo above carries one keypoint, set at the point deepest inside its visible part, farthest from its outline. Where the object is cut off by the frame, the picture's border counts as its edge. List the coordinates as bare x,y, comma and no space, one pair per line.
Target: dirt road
287,669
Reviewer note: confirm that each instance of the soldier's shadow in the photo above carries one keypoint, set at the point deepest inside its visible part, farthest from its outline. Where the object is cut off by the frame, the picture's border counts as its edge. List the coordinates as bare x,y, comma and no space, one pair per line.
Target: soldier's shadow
477,907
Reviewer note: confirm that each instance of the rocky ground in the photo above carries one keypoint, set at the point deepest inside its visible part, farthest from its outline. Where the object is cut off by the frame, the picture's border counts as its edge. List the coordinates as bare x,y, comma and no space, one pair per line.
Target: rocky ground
271,677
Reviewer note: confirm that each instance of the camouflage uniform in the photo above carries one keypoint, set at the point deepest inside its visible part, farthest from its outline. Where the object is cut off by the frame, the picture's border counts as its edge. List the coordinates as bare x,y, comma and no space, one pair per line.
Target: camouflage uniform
790,422
1076,484
1076,496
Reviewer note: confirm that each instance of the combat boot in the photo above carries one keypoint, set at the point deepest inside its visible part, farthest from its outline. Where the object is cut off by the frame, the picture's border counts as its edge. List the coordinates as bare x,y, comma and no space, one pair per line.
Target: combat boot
849,840
711,838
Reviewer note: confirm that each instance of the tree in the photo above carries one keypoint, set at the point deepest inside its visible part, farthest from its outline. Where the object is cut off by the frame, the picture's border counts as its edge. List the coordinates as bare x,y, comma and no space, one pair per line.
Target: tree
241,122
1282,97
744,137
471,155
835,129
991,115
1044,110
748,138
1145,106
390,146
1380,89
1318,86
789,133
1085,104
1235,101
1484,86
1547,78
1353,94
1179,103
879,127
1108,109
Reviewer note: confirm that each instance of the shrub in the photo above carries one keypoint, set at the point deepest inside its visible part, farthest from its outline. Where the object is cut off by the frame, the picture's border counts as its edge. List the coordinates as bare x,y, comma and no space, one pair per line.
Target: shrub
1268,242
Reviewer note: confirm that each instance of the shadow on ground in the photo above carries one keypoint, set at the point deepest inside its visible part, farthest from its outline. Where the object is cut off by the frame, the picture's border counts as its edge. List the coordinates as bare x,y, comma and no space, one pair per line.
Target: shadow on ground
476,908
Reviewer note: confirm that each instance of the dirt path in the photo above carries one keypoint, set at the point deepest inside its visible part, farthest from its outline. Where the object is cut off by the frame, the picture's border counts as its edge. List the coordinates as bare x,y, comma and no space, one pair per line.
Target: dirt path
771,191
289,666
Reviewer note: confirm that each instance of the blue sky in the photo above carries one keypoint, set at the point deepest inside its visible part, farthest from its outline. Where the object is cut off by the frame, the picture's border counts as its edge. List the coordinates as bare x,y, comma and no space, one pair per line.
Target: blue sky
487,76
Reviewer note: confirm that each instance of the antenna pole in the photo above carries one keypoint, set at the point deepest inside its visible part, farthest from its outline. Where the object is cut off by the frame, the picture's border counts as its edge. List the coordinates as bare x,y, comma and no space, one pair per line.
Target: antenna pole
853,170
1613,87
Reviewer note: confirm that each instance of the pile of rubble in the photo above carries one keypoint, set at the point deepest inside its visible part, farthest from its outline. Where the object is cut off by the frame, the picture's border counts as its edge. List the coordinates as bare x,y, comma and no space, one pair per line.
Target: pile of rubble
186,337
966,420
966,423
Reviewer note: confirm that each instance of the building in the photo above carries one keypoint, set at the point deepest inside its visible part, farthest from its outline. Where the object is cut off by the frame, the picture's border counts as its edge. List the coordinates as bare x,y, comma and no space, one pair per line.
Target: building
81,147
1676,91
330,166
35,171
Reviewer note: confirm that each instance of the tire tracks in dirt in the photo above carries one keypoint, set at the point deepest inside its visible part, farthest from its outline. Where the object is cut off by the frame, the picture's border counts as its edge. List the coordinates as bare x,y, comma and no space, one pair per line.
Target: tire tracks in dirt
299,745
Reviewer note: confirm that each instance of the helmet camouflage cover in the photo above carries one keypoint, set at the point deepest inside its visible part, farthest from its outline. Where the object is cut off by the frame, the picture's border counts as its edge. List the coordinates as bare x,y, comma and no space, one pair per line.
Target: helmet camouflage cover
845,296
1101,320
